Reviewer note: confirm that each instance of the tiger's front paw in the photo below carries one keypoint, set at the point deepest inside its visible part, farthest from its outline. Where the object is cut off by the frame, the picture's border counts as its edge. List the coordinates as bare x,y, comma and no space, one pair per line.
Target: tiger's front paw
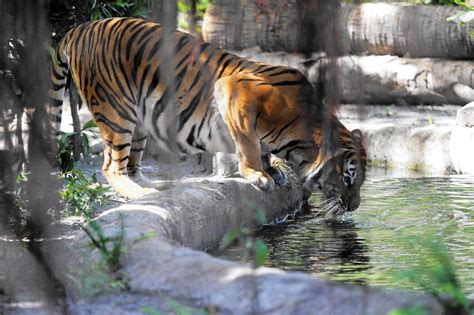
278,175
260,179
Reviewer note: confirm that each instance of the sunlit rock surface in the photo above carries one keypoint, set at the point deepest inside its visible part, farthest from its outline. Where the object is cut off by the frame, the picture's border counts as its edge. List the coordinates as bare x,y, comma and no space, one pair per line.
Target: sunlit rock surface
192,215
462,140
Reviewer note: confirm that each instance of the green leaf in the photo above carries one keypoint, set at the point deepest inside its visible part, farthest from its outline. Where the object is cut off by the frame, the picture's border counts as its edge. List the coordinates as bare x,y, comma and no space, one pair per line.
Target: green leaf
261,217
229,238
467,17
144,237
261,252
411,310
183,7
150,311
54,57
85,145
90,124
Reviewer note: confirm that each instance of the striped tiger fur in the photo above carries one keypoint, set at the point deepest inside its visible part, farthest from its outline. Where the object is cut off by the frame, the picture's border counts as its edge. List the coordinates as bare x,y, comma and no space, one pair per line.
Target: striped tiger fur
141,81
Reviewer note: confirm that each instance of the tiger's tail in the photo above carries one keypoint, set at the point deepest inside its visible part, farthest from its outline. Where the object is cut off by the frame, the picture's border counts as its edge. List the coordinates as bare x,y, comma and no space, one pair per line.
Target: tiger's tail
60,79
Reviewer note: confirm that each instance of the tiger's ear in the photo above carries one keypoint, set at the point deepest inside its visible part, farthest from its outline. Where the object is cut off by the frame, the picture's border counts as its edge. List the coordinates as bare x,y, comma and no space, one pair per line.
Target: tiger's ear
357,135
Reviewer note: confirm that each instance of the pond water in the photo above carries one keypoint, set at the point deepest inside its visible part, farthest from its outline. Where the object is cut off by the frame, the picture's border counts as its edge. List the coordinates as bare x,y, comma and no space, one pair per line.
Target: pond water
381,238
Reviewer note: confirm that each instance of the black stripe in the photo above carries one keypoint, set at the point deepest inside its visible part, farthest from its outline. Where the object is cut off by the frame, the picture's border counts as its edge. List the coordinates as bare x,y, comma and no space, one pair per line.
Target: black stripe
154,49
195,81
121,64
142,40
247,79
256,119
139,139
114,103
155,80
158,109
268,134
117,147
224,67
286,71
179,77
291,144
56,103
218,64
137,149
259,68
185,58
58,76
236,67
187,113
121,160
131,39
266,70
181,43
245,64
115,127
286,83
287,154
284,128
203,120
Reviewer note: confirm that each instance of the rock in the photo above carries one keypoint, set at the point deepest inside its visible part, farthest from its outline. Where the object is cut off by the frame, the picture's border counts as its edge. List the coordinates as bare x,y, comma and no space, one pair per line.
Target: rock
195,214
461,147
461,144
465,116
418,149
225,164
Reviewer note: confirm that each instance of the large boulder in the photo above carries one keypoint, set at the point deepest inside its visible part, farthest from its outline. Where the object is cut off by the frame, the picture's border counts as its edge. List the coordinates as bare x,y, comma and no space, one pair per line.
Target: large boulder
461,143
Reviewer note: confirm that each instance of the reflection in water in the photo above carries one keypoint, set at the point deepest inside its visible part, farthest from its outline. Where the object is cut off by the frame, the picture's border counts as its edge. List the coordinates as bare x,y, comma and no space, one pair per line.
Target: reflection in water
320,245
371,245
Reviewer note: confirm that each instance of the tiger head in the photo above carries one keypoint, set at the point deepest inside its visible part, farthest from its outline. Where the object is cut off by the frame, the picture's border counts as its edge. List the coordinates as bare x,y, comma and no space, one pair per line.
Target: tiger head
339,176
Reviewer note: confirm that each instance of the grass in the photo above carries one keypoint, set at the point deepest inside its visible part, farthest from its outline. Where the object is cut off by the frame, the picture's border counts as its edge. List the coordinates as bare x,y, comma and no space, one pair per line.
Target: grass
435,274
254,249
81,195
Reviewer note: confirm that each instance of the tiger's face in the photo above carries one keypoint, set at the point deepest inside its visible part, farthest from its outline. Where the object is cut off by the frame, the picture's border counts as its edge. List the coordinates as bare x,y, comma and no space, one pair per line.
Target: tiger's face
339,179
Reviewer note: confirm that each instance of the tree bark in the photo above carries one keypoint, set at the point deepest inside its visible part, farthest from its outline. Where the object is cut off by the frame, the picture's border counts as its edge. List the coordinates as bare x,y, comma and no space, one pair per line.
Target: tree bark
164,12
374,28
387,79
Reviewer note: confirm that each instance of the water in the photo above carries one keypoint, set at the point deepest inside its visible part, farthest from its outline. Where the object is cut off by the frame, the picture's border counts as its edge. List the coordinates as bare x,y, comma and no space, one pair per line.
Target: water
372,244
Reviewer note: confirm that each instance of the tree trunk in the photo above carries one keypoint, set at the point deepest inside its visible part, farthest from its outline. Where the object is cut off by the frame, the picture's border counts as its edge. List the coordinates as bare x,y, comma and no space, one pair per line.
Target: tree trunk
375,28
235,24
387,79
164,12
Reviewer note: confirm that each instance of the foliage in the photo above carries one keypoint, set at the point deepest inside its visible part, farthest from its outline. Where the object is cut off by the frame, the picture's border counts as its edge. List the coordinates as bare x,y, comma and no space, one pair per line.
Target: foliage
82,195
255,249
95,280
441,2
177,308
411,310
110,247
105,276
185,8
435,274
65,146
465,16
118,8
432,2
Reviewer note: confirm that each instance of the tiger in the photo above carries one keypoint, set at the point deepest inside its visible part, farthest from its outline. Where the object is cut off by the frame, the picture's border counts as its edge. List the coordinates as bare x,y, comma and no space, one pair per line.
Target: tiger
140,79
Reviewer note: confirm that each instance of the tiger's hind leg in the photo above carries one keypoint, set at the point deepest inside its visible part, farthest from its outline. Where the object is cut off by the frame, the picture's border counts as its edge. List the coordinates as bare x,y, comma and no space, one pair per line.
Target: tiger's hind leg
116,159
135,158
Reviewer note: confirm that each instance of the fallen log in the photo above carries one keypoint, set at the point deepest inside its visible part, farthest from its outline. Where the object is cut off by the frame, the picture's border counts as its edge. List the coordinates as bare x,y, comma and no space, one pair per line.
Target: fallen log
193,216
370,28
387,79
